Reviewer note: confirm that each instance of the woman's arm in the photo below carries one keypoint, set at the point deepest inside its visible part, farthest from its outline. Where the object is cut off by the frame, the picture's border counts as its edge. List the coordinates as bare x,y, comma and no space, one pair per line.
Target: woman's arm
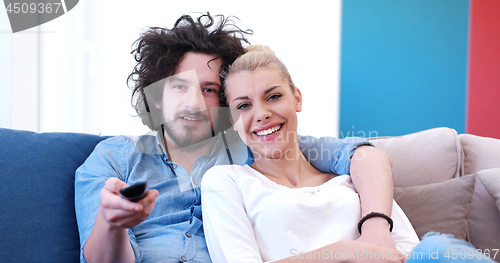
229,234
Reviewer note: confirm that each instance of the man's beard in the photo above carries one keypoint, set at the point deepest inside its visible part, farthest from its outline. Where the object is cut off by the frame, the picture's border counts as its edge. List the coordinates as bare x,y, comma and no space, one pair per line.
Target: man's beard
190,138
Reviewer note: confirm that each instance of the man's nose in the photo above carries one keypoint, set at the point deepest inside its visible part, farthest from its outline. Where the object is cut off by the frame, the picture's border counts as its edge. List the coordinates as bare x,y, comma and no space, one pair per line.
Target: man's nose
194,100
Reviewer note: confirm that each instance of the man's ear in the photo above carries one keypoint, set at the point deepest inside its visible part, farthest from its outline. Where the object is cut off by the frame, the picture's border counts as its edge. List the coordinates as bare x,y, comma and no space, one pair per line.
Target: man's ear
158,104
298,100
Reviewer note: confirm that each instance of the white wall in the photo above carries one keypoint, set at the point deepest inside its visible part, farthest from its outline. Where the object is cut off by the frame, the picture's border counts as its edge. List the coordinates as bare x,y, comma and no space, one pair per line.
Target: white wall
85,59
5,71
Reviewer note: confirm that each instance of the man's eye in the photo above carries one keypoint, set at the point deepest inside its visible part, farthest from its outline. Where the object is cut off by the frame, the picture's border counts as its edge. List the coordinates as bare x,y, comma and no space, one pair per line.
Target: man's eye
179,87
208,90
274,97
243,106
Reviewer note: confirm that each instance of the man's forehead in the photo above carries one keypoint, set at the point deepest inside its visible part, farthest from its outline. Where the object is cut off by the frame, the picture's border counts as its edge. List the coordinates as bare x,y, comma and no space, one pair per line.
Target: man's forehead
191,78
200,62
184,77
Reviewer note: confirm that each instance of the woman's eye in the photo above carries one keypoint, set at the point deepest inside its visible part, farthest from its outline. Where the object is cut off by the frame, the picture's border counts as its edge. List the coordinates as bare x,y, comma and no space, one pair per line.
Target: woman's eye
274,97
243,106
179,87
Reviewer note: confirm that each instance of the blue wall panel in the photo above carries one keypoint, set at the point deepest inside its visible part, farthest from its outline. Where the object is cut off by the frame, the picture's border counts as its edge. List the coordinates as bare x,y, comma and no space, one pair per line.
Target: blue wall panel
403,66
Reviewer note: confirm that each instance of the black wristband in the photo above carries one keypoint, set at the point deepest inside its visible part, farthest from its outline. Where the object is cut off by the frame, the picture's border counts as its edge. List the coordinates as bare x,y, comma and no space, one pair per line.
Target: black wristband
375,214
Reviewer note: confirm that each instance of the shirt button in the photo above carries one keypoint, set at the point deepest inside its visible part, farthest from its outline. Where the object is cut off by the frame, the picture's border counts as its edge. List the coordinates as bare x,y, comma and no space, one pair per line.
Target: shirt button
174,166
187,234
184,259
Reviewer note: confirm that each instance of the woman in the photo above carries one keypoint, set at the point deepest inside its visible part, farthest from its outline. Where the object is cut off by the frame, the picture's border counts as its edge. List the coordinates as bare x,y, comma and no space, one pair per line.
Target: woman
281,208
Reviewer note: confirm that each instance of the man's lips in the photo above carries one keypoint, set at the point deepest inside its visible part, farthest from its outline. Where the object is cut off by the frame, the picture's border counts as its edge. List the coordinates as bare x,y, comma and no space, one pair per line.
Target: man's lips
192,118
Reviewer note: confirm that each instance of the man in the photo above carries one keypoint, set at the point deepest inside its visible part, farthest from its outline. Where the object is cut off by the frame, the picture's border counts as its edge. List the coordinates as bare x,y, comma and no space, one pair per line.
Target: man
178,92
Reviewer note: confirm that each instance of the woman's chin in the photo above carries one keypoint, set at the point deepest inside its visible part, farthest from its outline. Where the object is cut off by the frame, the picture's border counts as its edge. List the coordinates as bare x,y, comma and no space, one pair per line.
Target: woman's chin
269,152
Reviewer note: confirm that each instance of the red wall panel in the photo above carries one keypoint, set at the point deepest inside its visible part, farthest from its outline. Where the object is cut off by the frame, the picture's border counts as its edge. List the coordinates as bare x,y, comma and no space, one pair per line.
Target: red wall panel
483,114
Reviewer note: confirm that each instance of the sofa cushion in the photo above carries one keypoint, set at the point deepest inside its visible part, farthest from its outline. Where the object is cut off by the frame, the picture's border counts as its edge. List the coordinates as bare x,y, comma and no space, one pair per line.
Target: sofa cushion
491,181
441,207
484,220
481,153
38,222
429,156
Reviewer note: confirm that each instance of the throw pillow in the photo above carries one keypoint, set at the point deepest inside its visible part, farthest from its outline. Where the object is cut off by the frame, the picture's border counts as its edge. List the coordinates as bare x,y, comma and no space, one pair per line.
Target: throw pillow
440,207
491,181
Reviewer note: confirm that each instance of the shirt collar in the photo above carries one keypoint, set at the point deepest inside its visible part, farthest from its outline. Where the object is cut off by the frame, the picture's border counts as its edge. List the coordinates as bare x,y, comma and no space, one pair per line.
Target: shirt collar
161,149
160,145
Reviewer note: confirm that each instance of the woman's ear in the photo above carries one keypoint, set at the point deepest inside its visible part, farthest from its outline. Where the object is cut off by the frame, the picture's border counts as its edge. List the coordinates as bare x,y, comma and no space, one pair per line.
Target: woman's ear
158,104
298,100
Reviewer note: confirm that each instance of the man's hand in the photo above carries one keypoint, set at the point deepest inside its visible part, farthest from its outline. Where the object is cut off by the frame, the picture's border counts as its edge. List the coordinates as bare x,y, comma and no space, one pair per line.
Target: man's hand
109,240
367,252
351,251
120,212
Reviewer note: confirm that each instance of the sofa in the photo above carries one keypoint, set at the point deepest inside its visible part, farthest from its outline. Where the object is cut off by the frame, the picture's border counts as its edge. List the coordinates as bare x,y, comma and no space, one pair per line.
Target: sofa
443,181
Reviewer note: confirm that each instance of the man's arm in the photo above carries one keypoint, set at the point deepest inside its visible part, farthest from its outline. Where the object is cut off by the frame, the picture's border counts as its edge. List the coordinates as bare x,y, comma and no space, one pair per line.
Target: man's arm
371,172
109,239
97,183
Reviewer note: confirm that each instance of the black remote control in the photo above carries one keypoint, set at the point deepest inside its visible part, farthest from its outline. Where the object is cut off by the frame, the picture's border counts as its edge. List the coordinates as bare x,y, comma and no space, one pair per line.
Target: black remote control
135,192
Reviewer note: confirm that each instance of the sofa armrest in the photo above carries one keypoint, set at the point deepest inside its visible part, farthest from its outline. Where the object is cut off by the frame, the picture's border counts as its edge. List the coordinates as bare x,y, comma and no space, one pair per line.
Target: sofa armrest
37,174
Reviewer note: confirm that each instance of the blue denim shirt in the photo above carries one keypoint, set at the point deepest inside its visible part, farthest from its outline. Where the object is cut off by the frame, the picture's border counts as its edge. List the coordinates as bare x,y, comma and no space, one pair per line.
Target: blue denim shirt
173,232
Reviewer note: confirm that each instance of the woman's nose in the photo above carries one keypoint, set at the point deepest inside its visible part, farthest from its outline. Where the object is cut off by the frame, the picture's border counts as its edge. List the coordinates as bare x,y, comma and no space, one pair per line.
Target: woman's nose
262,113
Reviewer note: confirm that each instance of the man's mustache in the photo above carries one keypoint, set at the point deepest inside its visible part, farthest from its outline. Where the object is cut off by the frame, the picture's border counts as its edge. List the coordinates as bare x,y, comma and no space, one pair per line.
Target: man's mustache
198,114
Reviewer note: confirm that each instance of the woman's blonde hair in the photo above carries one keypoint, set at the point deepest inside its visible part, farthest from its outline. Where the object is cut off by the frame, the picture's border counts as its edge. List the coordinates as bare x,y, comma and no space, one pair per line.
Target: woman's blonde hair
258,56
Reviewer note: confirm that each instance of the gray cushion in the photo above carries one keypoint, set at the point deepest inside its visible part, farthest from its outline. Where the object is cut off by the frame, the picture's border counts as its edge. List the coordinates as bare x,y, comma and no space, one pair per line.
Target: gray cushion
481,153
491,181
429,156
440,207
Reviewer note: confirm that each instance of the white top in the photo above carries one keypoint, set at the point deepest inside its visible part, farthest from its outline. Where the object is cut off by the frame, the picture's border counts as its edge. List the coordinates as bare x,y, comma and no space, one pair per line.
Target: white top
249,218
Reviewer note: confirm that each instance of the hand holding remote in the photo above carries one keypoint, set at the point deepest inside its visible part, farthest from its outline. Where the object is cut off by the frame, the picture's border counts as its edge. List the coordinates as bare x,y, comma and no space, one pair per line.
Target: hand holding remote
135,192
117,211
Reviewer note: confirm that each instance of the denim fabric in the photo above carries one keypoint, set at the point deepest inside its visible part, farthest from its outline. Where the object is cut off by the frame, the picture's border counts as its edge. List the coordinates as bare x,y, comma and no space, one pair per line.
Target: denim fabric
331,155
174,231
438,248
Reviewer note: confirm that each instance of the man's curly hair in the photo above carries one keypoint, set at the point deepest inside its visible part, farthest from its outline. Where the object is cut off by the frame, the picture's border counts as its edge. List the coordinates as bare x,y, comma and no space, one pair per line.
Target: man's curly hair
158,51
